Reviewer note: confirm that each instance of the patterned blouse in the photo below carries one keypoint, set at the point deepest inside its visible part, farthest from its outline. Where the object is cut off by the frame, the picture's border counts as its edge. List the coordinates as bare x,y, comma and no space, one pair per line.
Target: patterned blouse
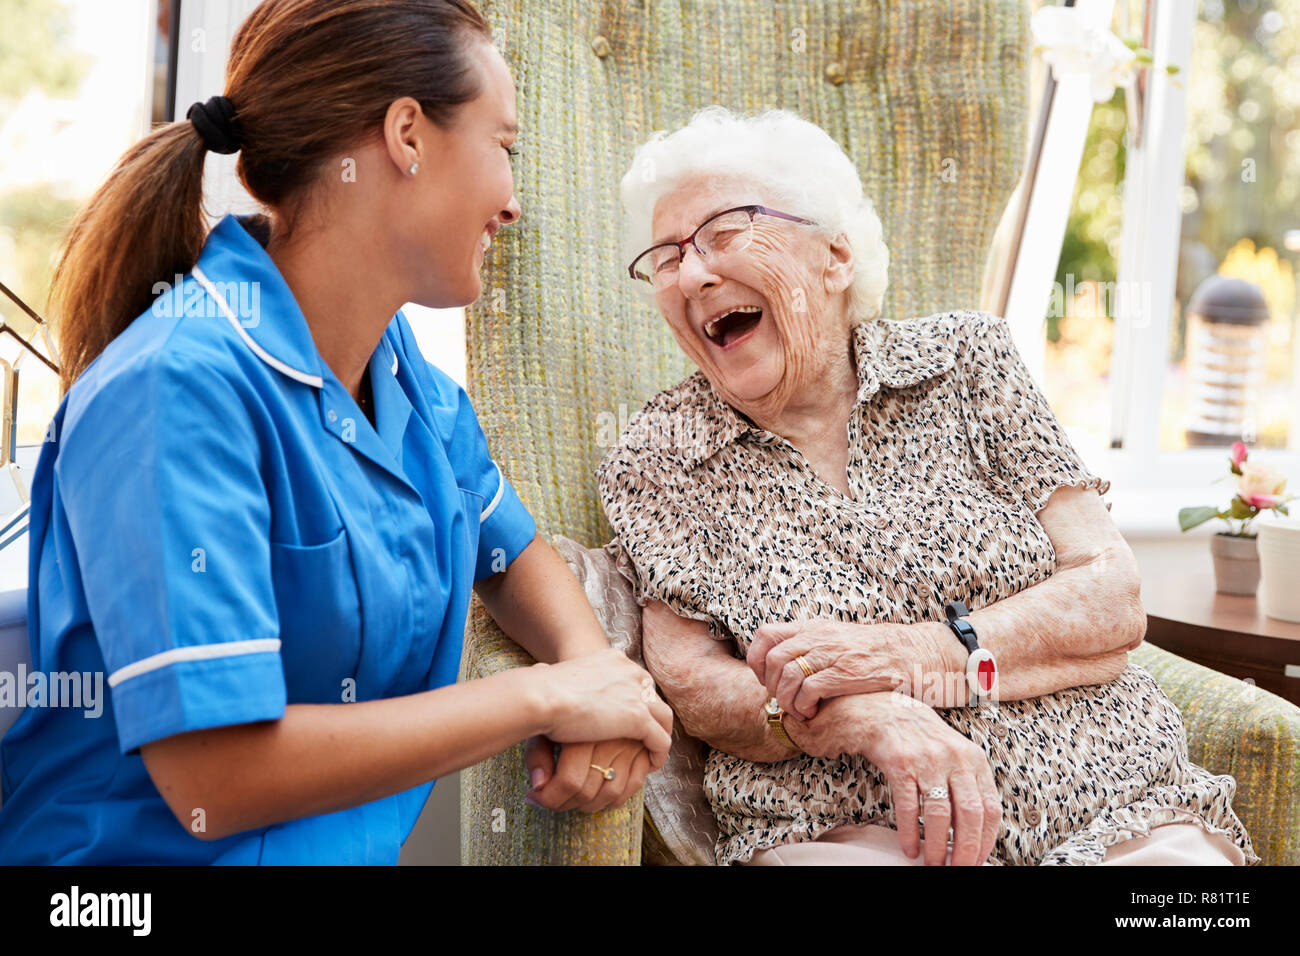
952,451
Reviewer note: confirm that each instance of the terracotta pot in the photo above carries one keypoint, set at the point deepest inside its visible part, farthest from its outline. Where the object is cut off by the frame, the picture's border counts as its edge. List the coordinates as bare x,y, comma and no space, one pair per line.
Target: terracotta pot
1236,563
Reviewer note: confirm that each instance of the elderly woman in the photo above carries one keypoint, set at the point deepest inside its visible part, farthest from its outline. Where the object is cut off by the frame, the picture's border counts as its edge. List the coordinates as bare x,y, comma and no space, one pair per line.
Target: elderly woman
800,517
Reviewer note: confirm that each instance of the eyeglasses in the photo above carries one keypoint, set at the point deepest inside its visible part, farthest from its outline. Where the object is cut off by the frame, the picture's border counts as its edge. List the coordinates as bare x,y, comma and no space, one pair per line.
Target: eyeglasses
725,232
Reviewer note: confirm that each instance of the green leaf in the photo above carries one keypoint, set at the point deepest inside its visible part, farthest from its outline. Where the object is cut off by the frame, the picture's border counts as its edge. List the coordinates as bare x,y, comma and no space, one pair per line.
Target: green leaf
1281,509
1172,68
1189,518
1240,509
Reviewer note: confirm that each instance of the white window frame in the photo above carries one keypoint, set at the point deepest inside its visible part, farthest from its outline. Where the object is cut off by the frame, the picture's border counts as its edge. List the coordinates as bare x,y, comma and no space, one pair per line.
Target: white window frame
1054,167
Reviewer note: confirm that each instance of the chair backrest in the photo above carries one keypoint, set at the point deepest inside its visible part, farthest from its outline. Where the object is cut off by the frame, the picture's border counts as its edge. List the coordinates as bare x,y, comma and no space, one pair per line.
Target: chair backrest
929,99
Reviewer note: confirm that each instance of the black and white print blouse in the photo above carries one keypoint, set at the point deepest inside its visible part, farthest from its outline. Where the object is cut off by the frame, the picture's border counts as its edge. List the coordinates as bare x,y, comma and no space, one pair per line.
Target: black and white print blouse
952,451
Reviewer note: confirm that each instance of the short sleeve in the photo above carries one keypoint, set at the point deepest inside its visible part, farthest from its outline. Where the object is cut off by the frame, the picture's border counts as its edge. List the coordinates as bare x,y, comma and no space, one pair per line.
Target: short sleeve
505,525
1021,444
158,478
658,546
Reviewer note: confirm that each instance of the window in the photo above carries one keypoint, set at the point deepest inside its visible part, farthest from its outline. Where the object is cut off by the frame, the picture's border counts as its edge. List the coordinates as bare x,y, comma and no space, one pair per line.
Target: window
1182,178
80,81
75,92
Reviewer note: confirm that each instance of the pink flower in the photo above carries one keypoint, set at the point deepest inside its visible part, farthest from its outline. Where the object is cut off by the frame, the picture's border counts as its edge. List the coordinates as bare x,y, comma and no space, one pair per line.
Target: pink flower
1238,454
1261,501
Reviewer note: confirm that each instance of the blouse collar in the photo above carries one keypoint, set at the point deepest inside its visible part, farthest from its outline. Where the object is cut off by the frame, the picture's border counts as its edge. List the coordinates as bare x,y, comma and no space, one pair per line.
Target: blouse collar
887,353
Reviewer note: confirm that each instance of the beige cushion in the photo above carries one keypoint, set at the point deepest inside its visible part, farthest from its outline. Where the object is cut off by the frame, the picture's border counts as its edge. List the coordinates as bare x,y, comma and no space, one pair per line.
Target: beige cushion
674,795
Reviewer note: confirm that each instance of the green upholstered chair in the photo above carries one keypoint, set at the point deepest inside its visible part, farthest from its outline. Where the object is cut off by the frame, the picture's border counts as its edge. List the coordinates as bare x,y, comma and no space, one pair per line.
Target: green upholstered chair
930,102
1234,727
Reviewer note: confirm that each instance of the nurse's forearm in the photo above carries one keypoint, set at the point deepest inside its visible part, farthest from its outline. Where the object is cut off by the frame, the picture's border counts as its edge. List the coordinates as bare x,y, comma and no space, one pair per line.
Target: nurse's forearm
541,606
319,758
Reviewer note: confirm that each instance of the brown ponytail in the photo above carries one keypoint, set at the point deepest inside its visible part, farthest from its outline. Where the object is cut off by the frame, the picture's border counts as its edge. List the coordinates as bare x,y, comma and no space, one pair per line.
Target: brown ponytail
307,79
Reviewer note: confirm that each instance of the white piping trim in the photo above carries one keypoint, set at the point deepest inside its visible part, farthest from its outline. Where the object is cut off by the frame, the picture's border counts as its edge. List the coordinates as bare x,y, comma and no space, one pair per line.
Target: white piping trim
496,499
394,361
194,652
314,380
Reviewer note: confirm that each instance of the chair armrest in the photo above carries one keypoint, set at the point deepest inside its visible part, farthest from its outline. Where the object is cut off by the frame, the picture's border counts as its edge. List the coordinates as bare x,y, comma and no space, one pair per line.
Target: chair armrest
1235,728
497,828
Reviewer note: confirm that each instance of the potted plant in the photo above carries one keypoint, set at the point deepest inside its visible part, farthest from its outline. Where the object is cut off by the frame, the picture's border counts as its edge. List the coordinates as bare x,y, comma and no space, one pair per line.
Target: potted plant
1236,557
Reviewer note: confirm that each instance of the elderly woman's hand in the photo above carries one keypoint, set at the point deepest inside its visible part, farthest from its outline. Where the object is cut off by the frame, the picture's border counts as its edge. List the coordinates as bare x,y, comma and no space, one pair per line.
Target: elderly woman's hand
916,751
848,658
841,727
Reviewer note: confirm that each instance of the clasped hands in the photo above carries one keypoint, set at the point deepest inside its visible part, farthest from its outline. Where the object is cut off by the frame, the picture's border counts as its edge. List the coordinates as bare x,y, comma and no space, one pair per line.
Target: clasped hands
843,658
856,693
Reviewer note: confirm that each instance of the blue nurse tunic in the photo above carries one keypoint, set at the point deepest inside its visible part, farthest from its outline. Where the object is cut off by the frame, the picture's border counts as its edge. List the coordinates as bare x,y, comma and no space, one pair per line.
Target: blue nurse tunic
219,531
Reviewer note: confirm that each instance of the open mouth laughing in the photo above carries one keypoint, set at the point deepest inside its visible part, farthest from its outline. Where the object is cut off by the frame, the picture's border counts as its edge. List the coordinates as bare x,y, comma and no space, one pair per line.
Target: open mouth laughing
730,326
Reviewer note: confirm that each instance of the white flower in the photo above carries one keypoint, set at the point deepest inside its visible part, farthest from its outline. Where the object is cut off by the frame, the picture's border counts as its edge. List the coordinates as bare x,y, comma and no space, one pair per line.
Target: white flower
1071,45
1260,485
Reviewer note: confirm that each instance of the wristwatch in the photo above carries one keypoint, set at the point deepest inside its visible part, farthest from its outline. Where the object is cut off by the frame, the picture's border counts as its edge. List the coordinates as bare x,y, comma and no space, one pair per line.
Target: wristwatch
981,665
775,716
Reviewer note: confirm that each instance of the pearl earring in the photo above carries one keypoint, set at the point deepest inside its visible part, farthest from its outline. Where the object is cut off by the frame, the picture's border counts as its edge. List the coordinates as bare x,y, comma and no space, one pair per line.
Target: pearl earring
414,168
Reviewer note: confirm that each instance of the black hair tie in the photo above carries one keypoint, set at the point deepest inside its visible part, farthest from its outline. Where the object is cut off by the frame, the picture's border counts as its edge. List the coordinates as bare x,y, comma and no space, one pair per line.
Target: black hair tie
217,125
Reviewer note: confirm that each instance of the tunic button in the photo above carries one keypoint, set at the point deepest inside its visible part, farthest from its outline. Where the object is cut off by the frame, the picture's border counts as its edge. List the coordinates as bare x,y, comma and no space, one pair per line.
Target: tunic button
1000,730
600,46
1033,817
332,416
835,73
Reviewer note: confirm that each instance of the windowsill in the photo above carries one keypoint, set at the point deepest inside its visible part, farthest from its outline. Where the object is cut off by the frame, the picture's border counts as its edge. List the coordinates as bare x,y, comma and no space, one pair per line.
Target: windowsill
1151,514
1148,490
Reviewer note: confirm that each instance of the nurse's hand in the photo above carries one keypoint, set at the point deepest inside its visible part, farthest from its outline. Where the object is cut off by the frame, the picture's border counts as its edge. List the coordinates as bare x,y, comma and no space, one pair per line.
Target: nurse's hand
575,784
604,696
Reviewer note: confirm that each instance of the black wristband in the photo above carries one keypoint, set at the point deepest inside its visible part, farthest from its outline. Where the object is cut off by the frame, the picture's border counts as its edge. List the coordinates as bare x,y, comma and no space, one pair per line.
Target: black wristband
956,613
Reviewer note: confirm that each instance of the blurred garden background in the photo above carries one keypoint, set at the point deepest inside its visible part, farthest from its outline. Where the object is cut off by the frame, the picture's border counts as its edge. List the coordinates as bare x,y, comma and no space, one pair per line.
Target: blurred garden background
1240,199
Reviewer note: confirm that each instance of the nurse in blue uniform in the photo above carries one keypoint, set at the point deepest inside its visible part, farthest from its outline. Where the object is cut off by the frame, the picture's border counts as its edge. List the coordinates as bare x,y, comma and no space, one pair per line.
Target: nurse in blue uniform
260,511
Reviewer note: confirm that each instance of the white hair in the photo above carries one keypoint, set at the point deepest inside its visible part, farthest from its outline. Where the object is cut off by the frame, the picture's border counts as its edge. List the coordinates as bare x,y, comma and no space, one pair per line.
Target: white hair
795,160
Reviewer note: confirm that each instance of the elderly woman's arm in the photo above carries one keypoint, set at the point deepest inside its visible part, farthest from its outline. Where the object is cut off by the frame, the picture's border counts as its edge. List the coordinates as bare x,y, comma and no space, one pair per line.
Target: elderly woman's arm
1074,628
713,693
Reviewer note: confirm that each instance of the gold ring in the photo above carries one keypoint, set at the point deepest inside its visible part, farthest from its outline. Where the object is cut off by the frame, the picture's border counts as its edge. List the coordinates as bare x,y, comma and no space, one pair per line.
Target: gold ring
803,666
606,772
